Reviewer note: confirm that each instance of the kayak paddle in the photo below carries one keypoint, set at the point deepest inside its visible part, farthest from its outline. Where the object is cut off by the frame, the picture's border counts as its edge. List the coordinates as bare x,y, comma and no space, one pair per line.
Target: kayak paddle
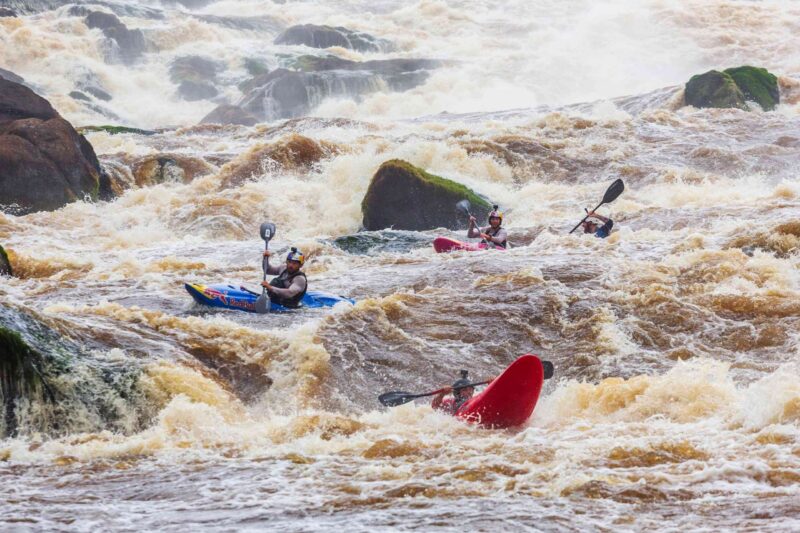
613,191
393,399
267,232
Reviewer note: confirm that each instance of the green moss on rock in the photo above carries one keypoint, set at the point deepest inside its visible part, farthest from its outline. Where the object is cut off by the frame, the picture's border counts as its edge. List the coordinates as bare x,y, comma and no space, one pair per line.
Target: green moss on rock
757,85
19,375
114,130
714,89
733,88
402,196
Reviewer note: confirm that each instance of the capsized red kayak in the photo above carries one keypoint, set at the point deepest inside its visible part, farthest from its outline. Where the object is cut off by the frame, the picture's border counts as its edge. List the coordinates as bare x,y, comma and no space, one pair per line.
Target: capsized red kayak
509,400
446,244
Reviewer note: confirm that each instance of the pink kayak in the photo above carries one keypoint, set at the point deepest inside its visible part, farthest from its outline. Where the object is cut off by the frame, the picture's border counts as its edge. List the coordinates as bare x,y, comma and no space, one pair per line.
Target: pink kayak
445,244
509,400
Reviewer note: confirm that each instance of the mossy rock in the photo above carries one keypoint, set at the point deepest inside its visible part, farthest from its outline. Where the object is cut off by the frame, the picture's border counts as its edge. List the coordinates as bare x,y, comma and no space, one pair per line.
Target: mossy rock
5,264
733,88
20,376
402,196
114,130
714,89
757,85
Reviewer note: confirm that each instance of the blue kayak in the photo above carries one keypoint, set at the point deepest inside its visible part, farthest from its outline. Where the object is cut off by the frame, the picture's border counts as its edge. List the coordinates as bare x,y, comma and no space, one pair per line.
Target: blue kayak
230,297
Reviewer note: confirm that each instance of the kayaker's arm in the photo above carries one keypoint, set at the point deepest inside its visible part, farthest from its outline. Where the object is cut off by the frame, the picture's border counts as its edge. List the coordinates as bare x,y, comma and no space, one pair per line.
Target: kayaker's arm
473,232
499,238
436,403
271,270
599,217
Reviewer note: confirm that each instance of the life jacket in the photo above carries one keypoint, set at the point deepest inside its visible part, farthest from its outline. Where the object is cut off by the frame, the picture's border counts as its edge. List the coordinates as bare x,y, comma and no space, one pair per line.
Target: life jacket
492,232
283,281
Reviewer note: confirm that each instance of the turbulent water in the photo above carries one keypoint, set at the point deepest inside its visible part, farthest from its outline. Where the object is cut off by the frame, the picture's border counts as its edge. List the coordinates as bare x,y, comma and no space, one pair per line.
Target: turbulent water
676,400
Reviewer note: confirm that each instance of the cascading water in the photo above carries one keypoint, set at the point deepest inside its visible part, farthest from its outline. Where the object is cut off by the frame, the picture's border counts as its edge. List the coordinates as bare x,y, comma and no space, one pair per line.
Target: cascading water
676,399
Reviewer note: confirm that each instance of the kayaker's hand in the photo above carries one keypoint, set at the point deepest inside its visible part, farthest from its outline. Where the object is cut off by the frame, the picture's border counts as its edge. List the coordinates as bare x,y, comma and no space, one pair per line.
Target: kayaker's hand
267,253
472,219
486,237
266,285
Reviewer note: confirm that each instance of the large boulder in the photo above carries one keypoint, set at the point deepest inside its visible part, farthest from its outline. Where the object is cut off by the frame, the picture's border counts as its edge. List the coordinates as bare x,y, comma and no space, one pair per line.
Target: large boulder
130,44
5,264
733,88
7,12
285,93
44,162
402,196
316,36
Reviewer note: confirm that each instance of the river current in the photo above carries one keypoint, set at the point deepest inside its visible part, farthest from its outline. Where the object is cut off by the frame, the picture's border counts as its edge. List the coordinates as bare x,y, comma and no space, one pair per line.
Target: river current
676,400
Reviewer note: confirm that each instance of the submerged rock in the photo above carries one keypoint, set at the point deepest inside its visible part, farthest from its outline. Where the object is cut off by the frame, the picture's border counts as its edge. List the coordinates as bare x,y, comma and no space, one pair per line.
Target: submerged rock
196,77
733,88
168,168
402,196
44,162
5,264
7,12
130,43
286,93
229,114
51,385
295,152
316,36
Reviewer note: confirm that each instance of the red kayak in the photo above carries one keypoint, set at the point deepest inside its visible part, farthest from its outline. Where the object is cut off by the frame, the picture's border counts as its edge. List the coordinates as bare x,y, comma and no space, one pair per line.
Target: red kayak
445,244
509,400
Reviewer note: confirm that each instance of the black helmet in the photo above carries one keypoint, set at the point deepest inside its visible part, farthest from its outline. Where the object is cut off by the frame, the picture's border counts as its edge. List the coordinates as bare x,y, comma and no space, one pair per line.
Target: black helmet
463,381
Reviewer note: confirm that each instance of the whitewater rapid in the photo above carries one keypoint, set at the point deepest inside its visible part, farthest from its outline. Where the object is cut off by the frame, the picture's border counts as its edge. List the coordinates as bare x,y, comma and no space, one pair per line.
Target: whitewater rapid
676,400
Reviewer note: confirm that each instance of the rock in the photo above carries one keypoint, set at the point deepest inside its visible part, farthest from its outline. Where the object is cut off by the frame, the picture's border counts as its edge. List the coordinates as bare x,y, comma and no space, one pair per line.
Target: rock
44,162
7,12
77,95
50,384
402,196
316,36
10,76
90,83
757,85
130,43
713,89
191,91
5,264
255,66
196,77
168,168
229,114
295,152
286,93
732,88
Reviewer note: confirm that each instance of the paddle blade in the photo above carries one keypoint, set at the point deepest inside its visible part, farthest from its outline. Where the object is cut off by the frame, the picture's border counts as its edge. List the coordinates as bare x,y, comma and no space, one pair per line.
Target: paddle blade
464,206
262,303
267,231
392,399
614,190
549,369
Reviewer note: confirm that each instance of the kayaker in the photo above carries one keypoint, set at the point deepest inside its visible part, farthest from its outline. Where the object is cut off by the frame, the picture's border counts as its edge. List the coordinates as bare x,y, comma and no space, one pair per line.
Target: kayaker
461,395
590,226
491,234
290,284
